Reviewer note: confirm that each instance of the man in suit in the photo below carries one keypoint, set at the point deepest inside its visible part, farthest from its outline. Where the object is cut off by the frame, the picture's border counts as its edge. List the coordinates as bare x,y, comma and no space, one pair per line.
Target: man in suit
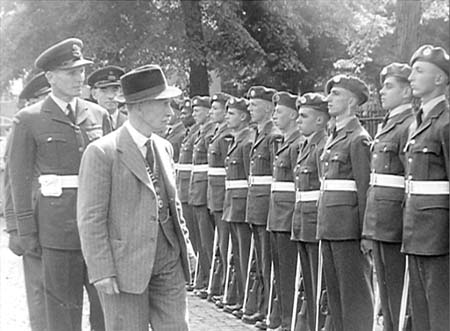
105,87
426,217
132,230
51,136
313,118
36,89
345,179
383,216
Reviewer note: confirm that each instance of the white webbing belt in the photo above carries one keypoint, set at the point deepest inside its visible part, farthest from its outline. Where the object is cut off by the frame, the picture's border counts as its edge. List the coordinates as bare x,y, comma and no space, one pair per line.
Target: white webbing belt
305,196
200,168
428,187
216,171
66,181
183,167
260,180
235,184
283,187
387,180
338,185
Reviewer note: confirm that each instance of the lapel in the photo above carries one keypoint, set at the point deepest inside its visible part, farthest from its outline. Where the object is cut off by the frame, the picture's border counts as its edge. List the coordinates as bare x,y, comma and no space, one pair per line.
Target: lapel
132,157
294,135
165,162
315,139
396,120
52,109
220,129
342,134
434,113
264,132
237,138
82,111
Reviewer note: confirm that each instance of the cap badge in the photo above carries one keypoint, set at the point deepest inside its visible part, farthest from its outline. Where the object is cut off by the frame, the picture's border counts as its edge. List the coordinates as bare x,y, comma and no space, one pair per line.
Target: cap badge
187,104
302,100
252,93
232,101
337,79
111,76
276,98
215,97
195,102
76,50
446,56
427,51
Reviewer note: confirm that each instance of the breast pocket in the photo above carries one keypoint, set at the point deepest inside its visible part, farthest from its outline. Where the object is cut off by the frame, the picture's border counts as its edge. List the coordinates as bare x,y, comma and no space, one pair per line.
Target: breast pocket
304,177
387,154
261,163
428,161
52,148
338,163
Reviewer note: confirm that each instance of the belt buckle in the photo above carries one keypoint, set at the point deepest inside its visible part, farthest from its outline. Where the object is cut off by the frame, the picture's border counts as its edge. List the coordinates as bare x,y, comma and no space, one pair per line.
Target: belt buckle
408,185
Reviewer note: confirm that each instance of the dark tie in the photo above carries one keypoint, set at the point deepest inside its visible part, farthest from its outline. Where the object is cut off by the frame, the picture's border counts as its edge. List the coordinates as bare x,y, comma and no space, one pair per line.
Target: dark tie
419,117
305,143
385,119
333,132
70,113
149,156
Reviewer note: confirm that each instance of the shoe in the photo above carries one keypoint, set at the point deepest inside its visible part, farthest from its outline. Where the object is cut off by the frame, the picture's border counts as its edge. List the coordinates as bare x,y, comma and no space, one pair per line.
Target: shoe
261,325
238,313
217,297
189,287
202,294
230,308
252,319
219,304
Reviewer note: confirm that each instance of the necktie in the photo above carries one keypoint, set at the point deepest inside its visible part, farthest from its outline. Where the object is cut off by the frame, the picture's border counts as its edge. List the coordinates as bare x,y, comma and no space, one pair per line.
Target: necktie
149,155
305,143
333,132
419,117
70,113
385,119
153,170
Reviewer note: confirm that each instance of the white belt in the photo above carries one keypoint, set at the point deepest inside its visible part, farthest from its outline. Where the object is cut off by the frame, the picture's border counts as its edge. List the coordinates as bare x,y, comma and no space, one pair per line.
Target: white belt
183,167
234,184
52,185
338,185
387,180
260,180
216,171
200,168
304,196
428,187
283,186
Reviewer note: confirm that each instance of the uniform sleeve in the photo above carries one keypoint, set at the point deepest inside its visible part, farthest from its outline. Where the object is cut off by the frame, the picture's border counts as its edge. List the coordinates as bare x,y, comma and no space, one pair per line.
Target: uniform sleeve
21,155
294,151
444,137
246,156
8,207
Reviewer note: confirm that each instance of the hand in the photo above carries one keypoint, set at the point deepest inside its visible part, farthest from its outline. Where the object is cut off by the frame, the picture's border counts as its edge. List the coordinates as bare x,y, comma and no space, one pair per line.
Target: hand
30,244
107,285
14,244
366,246
192,257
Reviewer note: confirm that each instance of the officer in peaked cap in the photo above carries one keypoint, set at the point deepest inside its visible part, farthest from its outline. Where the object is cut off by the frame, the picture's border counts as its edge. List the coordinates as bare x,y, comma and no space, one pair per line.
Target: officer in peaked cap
37,87
282,201
63,123
384,211
425,223
346,171
105,87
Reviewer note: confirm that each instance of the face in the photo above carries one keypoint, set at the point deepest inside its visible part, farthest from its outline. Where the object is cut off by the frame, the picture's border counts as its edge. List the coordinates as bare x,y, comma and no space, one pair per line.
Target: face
423,78
258,110
338,101
155,114
283,116
200,115
66,84
307,120
105,97
186,116
233,118
393,93
217,112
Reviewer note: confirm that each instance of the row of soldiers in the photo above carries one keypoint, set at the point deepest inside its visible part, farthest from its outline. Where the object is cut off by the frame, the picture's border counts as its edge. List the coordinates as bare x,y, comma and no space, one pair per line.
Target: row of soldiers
290,202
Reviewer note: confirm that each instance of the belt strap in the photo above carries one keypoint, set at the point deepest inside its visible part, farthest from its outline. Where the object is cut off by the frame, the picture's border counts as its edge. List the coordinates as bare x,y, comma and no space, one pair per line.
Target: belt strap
260,180
200,168
305,196
65,181
338,185
216,171
283,186
183,166
429,187
235,184
387,180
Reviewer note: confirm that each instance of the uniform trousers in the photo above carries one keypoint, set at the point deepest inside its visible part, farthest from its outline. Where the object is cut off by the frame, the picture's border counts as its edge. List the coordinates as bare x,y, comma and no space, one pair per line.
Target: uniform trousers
348,279
390,268
429,292
263,264
163,304
34,286
65,274
206,240
192,227
284,256
223,232
240,240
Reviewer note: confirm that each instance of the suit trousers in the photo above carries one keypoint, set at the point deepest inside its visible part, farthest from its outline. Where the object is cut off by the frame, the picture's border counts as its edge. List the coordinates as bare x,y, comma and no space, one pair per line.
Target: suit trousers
429,291
34,286
240,239
390,268
348,279
206,240
223,231
163,304
263,264
284,255
64,276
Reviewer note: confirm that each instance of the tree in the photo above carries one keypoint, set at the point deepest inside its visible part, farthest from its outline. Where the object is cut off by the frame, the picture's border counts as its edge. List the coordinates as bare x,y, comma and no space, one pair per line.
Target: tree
408,14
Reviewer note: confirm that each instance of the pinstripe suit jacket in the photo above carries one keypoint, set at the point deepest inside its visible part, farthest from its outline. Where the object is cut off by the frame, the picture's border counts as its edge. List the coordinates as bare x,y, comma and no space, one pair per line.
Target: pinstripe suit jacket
117,210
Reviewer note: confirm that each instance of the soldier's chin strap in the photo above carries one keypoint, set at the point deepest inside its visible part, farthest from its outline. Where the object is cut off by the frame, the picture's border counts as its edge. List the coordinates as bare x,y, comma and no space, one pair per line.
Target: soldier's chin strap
319,286
404,302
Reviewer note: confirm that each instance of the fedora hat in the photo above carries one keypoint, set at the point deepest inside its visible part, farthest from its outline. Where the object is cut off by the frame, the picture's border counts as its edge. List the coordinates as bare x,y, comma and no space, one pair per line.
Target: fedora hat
146,83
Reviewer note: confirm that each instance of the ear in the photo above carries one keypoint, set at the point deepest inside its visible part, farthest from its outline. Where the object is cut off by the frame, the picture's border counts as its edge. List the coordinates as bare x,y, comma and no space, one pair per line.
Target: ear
49,75
441,79
293,114
407,92
353,100
94,93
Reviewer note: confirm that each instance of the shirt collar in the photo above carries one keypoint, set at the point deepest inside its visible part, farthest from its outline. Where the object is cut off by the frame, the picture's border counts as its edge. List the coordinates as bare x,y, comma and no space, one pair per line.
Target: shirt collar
399,109
431,104
340,124
114,117
63,104
139,139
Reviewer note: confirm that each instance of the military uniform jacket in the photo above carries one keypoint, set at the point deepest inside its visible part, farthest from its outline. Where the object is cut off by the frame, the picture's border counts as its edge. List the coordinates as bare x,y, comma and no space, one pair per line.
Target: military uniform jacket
347,156
198,184
307,178
122,116
217,152
261,161
175,135
282,202
237,164
426,217
45,140
384,210
185,157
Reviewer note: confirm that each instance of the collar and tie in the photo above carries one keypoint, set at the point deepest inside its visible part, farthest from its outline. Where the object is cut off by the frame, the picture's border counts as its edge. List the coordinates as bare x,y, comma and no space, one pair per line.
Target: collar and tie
419,117
71,114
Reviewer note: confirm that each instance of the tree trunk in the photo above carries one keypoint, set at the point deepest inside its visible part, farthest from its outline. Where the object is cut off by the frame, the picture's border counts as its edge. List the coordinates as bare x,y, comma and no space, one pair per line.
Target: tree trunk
198,77
408,14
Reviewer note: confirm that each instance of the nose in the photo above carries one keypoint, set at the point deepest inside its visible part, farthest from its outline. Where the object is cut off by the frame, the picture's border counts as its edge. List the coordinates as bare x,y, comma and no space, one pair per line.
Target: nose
327,98
411,76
